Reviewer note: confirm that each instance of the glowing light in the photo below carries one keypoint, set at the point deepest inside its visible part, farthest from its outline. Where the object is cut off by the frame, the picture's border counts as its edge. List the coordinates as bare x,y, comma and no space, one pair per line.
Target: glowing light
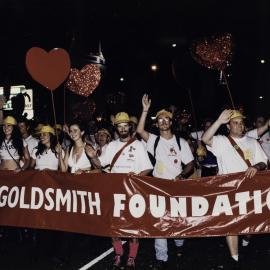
174,45
260,97
122,79
262,61
154,67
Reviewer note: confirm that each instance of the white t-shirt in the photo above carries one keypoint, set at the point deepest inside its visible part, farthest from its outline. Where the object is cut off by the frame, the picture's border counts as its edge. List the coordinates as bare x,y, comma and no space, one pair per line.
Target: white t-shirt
6,154
134,157
31,142
103,149
228,159
264,140
48,160
265,143
168,156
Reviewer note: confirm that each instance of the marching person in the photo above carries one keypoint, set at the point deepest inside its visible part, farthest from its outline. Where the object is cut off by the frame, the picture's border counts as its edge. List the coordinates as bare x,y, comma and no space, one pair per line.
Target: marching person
12,147
46,156
169,152
235,153
103,138
24,128
76,159
124,155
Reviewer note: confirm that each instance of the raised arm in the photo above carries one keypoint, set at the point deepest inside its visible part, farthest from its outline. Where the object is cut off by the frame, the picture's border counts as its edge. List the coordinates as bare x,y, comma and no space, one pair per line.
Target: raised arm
92,154
146,103
208,135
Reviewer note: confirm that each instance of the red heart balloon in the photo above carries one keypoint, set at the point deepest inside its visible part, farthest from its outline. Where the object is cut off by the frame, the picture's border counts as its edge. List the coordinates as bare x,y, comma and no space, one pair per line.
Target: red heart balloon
83,82
49,69
214,52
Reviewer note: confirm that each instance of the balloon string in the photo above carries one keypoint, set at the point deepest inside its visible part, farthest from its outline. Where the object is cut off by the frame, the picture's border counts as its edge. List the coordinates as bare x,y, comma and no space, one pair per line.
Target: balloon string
228,88
193,114
64,104
54,116
191,102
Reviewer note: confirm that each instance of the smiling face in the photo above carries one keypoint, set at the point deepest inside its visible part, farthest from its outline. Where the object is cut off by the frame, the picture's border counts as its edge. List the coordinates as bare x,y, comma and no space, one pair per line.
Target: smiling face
7,129
123,129
45,138
236,127
75,132
23,128
102,138
164,123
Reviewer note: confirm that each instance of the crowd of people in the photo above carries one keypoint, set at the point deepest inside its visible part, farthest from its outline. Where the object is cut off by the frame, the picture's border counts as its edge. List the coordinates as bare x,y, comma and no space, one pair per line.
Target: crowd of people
167,150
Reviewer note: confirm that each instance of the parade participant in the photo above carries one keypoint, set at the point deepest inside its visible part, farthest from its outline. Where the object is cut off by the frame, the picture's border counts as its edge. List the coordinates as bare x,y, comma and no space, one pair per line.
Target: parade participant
207,160
75,157
46,156
235,153
169,153
12,147
103,137
262,134
124,155
24,128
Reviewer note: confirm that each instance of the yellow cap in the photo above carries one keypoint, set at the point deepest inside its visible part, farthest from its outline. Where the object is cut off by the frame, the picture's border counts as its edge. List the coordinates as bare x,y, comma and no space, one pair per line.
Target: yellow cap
9,120
165,113
58,126
47,129
236,113
121,117
104,130
133,119
38,128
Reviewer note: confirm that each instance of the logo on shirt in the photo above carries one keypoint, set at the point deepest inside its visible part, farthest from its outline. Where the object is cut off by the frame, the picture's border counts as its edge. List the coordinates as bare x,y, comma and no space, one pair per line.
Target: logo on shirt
172,151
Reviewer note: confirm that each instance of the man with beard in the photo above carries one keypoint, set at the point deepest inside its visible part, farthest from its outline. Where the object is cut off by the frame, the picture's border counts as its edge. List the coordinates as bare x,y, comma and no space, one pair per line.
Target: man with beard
235,153
169,153
124,155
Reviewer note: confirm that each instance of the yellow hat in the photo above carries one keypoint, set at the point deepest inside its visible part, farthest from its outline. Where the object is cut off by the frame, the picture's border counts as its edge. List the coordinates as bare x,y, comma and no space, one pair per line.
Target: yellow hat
38,128
104,130
58,126
165,113
236,113
121,117
133,119
9,120
47,129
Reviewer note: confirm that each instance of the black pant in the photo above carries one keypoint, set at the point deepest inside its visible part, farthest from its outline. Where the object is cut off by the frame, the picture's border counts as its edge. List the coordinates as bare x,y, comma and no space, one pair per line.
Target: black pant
208,171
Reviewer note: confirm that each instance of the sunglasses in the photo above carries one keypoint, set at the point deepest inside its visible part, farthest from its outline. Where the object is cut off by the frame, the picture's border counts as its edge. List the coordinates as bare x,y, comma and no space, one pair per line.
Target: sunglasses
161,120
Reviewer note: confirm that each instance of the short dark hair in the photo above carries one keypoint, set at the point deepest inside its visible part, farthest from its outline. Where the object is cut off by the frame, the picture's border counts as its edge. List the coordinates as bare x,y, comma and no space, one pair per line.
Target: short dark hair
23,119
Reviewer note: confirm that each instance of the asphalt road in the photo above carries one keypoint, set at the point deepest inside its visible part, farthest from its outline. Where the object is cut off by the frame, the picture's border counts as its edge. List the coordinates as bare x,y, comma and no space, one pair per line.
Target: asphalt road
49,250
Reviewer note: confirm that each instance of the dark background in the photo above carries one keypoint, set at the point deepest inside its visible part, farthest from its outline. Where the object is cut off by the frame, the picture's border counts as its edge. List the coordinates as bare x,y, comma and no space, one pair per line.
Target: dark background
135,34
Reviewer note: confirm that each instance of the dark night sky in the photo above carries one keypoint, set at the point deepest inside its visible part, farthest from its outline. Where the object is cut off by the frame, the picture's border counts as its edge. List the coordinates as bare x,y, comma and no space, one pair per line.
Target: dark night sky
136,34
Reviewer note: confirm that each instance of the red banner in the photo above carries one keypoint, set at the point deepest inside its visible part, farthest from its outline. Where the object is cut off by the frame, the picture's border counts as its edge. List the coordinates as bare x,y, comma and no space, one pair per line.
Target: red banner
135,206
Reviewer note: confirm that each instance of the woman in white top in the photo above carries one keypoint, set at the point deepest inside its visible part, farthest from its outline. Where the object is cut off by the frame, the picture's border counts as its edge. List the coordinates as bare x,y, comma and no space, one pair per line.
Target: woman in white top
12,147
76,159
46,155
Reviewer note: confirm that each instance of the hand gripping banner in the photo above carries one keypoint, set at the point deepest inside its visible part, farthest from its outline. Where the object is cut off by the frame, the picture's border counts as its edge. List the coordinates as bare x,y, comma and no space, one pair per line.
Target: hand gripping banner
134,206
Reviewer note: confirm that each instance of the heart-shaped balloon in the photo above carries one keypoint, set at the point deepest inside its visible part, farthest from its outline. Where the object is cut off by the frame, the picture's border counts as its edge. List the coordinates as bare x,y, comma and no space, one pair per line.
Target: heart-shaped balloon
214,53
83,82
50,69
